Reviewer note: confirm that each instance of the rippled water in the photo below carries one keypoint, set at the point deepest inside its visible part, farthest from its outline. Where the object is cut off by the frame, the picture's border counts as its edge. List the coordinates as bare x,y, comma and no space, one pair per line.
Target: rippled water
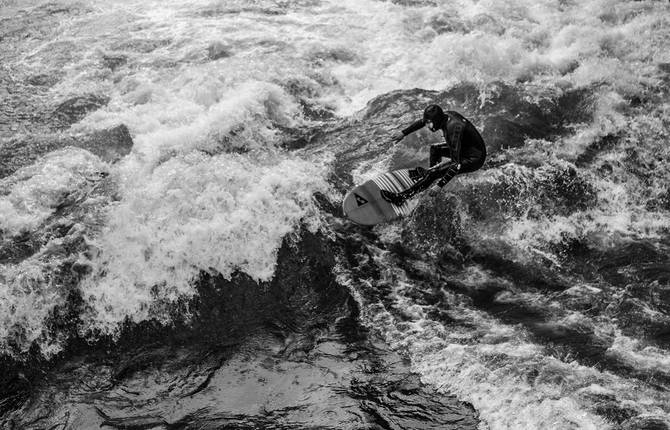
173,254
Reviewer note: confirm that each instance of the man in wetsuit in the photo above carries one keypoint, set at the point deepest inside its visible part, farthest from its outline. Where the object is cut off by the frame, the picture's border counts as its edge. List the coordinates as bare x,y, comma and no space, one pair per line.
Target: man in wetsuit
464,146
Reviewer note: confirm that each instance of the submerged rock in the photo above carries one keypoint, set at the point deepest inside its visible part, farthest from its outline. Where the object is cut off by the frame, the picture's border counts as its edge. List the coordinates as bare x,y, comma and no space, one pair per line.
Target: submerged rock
141,45
75,109
43,80
114,61
110,145
218,50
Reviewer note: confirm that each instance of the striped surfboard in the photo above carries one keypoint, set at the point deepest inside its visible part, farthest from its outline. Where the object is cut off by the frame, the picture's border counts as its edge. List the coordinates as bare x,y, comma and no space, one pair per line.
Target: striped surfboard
365,205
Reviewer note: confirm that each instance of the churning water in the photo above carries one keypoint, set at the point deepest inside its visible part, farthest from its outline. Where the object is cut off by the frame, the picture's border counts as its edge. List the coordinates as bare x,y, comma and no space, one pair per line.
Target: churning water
173,255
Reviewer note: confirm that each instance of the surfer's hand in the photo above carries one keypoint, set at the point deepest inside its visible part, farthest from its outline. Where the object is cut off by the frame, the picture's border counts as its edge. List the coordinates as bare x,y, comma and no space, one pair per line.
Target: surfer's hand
397,137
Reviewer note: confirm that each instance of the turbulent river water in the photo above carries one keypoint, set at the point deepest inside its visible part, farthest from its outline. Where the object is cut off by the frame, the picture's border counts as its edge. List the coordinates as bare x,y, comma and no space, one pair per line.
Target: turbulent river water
173,254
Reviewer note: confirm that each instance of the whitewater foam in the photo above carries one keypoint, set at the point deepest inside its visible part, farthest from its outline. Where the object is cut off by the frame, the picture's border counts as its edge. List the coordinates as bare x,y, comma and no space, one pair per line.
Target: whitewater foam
28,296
33,193
208,187
196,213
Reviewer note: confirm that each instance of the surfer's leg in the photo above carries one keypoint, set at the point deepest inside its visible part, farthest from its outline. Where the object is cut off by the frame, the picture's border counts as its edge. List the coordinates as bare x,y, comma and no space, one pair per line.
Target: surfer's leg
443,172
438,151
471,162
417,173
448,174
446,171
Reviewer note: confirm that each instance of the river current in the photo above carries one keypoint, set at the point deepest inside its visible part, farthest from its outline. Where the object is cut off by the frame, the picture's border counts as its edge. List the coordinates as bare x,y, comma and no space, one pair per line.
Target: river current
173,254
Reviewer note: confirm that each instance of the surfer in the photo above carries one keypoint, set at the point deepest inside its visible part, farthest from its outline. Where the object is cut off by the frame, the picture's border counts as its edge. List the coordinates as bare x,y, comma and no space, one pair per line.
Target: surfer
464,146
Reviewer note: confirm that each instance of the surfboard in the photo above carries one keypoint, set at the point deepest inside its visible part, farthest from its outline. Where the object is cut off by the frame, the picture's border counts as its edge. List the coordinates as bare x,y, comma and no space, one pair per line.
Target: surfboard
365,205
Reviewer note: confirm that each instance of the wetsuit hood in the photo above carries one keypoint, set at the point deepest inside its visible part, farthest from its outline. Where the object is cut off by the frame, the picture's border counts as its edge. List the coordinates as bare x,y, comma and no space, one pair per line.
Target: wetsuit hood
434,115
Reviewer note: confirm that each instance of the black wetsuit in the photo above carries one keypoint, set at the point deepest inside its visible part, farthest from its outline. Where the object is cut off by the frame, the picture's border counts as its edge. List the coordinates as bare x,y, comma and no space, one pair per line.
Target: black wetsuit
464,145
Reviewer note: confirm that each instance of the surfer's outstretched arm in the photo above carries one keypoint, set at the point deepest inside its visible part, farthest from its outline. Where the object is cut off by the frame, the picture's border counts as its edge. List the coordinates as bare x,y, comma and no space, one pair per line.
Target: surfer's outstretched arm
416,125
397,137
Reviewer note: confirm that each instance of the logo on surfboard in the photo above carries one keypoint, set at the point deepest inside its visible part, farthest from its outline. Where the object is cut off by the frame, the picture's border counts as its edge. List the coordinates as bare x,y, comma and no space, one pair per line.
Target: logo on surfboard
360,201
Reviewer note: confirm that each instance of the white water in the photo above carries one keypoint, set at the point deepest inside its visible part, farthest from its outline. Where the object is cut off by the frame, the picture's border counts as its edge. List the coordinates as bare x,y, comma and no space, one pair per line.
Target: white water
37,190
182,211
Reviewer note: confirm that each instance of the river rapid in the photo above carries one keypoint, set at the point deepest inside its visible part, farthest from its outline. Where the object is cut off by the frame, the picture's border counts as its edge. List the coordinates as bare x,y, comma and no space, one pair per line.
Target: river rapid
173,254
